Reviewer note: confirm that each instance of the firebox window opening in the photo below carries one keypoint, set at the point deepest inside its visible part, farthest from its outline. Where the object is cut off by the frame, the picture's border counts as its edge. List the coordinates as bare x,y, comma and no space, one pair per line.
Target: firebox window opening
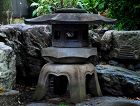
85,35
58,85
90,85
71,35
57,35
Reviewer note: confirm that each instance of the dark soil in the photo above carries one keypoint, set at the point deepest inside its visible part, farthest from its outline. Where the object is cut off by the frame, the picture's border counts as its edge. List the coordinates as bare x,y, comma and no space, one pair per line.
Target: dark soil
26,93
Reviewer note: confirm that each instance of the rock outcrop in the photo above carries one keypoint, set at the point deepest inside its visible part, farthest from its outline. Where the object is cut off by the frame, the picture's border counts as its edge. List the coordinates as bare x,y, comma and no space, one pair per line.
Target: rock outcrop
118,81
123,47
123,37
7,67
115,39
27,42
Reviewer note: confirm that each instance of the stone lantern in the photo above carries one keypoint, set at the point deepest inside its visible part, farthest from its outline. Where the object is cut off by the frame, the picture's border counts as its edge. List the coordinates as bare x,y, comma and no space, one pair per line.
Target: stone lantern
69,70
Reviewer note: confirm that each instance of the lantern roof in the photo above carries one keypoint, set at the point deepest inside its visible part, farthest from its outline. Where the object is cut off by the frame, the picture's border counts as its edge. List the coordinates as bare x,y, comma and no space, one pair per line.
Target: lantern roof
70,16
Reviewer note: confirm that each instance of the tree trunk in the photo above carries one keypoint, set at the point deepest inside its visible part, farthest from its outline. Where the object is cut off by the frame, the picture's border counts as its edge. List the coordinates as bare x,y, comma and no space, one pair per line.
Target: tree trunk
62,3
5,11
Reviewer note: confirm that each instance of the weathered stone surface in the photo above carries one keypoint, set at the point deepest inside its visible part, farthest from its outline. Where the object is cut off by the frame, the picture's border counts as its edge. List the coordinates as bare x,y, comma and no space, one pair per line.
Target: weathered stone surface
118,81
68,55
35,38
123,37
110,101
41,104
7,66
27,42
76,75
95,39
103,47
97,101
116,39
123,47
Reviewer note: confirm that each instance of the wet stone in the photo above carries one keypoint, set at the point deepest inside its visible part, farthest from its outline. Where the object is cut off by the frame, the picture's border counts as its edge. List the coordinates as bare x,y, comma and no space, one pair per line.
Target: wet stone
118,81
40,104
109,101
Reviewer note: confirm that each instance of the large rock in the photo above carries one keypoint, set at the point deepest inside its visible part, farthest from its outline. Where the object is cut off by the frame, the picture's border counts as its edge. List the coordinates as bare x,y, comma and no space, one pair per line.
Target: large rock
115,39
27,42
34,39
123,47
118,81
123,37
7,67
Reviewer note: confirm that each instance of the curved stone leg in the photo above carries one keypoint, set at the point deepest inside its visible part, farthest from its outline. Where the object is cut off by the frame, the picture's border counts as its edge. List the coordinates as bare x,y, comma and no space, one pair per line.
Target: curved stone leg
97,90
77,87
40,92
42,85
76,74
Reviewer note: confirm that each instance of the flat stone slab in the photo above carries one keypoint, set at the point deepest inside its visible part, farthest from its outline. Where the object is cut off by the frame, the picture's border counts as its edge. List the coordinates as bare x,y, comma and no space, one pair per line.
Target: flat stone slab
9,92
68,55
69,52
40,104
98,101
110,101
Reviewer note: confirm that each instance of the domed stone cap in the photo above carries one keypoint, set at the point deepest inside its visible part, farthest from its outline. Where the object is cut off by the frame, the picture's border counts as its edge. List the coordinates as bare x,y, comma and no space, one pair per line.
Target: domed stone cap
70,16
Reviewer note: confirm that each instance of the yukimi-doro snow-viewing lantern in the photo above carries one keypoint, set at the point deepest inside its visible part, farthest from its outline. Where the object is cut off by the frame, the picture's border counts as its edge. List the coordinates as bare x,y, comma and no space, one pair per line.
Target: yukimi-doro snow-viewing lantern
69,71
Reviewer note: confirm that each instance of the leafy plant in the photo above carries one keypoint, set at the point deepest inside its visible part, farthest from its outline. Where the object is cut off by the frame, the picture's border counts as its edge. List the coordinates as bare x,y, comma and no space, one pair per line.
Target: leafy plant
62,104
125,11
31,1
89,5
48,6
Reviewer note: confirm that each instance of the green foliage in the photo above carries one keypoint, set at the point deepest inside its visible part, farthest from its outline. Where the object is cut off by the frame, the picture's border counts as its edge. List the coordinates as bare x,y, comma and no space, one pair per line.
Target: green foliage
62,104
125,11
87,4
5,11
31,1
48,6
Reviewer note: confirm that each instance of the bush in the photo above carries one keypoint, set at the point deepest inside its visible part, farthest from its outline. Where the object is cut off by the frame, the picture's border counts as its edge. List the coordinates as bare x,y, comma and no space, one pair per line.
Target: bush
31,1
125,11
48,6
